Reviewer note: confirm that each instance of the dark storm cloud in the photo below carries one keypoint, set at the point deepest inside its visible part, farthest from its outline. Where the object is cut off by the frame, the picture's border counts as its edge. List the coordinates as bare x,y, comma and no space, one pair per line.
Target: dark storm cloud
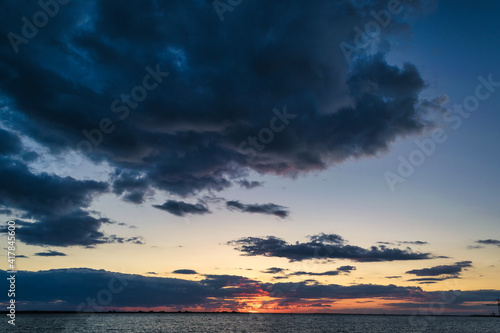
29,156
132,187
44,194
333,291
9,143
180,208
455,269
224,82
232,285
74,286
489,242
184,271
50,253
67,289
463,301
268,209
77,228
57,206
71,289
322,246
220,281
483,295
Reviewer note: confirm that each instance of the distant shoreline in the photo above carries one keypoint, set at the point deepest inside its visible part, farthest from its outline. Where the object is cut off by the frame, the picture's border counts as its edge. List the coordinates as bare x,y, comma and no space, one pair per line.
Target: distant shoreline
240,313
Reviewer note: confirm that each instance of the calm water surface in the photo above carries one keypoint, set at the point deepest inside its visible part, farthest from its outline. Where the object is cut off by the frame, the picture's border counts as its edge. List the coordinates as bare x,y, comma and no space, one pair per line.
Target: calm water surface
248,323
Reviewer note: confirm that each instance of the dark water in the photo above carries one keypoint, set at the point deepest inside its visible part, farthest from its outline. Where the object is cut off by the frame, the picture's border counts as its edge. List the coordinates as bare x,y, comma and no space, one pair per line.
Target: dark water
249,323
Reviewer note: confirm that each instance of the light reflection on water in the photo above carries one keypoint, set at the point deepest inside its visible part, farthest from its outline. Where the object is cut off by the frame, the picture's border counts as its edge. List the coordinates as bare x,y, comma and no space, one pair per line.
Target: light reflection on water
246,323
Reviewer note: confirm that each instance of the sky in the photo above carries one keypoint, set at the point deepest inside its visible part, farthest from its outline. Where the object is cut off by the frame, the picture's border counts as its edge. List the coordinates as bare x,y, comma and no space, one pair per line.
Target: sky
252,156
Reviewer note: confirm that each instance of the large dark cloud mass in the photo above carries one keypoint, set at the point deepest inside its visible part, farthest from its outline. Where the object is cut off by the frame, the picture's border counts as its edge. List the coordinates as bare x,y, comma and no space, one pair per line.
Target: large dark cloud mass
9,143
43,194
322,246
57,205
167,96
85,289
75,286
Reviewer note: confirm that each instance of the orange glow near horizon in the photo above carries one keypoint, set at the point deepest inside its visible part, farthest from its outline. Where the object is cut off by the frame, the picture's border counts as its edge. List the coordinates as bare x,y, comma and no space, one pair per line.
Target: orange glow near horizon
266,304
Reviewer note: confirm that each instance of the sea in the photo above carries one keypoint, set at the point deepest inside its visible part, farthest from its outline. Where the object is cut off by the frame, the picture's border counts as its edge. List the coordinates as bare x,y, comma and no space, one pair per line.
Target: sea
246,323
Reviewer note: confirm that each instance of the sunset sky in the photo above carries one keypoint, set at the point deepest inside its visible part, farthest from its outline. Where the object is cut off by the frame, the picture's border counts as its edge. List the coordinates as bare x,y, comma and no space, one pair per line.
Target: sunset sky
258,156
